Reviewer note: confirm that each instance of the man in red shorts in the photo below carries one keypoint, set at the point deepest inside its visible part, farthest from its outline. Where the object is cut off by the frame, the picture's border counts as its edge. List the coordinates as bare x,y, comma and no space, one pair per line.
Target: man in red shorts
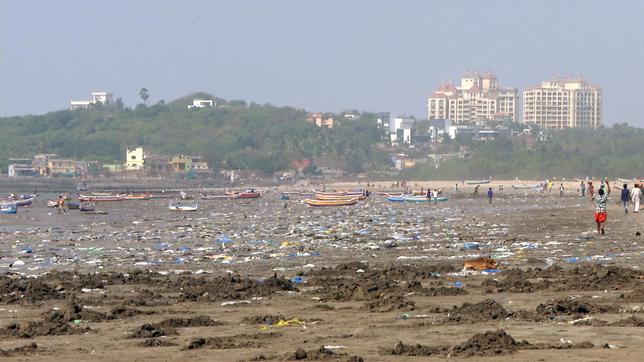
600,207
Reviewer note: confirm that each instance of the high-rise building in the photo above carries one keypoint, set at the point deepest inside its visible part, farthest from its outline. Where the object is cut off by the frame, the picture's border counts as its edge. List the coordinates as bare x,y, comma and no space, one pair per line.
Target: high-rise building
477,99
569,103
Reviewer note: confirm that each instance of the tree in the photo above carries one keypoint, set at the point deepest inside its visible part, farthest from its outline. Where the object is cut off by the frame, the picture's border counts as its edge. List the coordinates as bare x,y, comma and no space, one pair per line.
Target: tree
144,94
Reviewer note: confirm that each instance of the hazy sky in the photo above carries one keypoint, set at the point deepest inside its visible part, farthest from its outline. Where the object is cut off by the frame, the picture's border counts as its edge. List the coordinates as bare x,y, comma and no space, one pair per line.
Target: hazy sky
319,55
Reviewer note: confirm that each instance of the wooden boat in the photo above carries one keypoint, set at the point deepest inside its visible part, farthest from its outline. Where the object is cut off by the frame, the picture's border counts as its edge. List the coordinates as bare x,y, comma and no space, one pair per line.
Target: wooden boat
628,181
73,205
177,207
424,199
137,197
478,182
162,196
100,198
27,196
316,203
338,197
52,203
248,194
525,187
396,198
215,197
8,209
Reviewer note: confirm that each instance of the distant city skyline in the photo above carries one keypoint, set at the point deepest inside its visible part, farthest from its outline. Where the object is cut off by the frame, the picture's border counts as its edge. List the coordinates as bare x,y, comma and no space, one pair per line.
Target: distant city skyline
318,55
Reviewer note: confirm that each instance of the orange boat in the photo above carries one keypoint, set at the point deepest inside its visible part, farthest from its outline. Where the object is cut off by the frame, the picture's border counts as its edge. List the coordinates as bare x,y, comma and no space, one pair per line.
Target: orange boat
339,197
336,202
138,197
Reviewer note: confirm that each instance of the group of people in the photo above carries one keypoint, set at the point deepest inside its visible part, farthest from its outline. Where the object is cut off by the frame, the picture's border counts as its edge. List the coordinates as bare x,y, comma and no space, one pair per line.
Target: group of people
633,195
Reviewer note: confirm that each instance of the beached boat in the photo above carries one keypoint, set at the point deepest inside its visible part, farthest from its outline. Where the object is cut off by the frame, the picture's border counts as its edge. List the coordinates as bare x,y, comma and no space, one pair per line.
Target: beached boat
248,194
396,198
338,197
424,199
478,182
24,202
100,198
215,197
8,209
628,181
27,196
137,197
314,203
177,207
525,187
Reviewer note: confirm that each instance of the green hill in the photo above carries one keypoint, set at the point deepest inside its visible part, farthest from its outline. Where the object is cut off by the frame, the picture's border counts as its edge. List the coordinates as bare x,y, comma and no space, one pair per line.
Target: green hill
231,135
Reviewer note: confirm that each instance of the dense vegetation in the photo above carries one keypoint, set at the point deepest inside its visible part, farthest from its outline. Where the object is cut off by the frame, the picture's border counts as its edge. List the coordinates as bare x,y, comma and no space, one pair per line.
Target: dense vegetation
232,135
612,152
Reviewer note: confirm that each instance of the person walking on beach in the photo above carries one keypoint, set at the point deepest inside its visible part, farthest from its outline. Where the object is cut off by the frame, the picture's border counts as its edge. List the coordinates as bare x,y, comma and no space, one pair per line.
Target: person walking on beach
490,193
591,190
600,207
561,190
626,196
636,194
583,189
476,190
61,205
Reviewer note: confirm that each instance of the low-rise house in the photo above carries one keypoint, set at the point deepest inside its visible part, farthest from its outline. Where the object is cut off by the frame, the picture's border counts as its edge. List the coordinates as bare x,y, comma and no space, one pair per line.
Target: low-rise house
21,167
201,103
199,164
63,167
113,167
40,162
181,163
97,97
439,128
157,164
320,119
134,158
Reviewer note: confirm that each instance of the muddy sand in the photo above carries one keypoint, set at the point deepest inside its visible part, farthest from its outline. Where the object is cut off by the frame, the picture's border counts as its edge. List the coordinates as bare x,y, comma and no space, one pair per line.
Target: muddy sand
268,279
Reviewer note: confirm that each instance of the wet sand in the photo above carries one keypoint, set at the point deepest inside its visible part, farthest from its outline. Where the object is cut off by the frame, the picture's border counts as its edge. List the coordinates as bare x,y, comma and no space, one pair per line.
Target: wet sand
242,280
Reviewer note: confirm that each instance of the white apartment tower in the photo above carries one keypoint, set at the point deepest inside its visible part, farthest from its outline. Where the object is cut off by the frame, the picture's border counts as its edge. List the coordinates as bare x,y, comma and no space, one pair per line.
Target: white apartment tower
477,99
569,103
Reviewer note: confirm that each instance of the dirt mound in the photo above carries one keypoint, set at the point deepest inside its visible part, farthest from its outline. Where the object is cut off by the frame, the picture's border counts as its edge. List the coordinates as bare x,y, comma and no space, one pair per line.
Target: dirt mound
411,272
152,331
402,349
32,329
321,354
485,310
126,312
72,311
19,351
490,343
385,302
599,277
231,342
573,307
515,281
231,287
147,298
264,319
198,321
637,295
632,321
416,287
157,342
29,290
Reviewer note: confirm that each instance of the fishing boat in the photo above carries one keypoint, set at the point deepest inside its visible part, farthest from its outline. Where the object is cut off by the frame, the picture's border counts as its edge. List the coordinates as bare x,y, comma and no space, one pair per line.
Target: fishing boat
27,196
424,199
100,198
396,198
215,197
628,181
8,209
24,202
316,203
177,207
338,197
137,197
525,187
52,203
478,182
73,205
248,194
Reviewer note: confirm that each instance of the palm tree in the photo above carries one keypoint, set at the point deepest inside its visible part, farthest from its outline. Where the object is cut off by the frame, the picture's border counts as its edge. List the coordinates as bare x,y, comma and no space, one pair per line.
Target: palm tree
144,94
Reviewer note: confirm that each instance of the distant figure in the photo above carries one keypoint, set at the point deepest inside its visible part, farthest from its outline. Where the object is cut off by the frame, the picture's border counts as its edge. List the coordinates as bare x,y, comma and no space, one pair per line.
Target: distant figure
591,190
582,187
429,194
490,193
636,194
476,190
561,190
600,208
626,196
61,205
456,187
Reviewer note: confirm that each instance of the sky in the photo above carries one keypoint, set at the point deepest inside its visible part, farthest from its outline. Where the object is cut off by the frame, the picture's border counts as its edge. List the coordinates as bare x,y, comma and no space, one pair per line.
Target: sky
382,56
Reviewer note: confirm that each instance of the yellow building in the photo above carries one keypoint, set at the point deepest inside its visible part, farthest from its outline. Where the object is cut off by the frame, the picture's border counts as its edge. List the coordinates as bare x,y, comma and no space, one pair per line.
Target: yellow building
180,163
62,167
134,158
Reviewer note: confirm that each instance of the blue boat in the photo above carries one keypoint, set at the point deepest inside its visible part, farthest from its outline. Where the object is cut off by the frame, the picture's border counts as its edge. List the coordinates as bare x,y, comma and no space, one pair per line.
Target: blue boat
8,209
396,198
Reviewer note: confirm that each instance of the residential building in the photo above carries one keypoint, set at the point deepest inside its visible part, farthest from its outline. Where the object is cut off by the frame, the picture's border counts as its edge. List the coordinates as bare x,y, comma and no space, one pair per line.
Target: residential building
321,119
40,162
113,167
201,103
62,167
157,164
199,164
97,97
566,103
402,130
20,167
478,99
134,158
439,128
181,163
383,120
